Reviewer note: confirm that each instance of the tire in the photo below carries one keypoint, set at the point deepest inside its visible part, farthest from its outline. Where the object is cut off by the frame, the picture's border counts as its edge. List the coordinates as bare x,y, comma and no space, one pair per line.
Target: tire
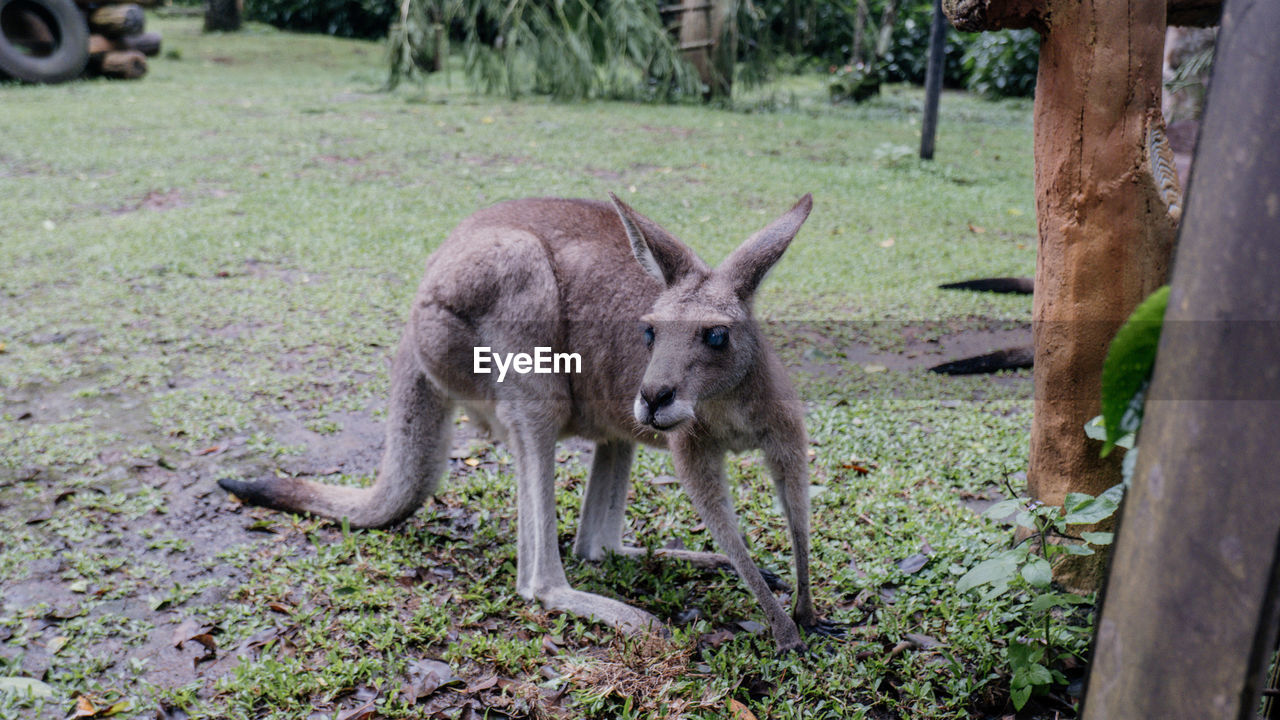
42,41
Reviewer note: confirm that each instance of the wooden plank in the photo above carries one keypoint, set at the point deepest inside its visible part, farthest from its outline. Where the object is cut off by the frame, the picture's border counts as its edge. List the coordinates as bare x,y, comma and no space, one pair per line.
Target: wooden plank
1188,625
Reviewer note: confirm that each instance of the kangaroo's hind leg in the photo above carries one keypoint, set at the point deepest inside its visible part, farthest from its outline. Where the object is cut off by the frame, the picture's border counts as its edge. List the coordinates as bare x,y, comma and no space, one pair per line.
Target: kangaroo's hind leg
540,574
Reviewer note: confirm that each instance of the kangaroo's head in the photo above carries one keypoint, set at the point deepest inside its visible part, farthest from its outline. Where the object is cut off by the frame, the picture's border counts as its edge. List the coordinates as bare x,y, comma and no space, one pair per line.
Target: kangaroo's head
700,333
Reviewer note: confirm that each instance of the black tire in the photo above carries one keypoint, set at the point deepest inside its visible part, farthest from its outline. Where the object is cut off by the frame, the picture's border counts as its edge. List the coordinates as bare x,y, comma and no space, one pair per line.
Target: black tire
42,41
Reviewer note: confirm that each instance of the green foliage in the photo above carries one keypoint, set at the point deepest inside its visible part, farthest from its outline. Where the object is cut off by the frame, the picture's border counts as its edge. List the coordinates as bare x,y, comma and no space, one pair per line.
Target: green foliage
1046,628
343,18
1002,64
1126,373
854,82
616,49
907,57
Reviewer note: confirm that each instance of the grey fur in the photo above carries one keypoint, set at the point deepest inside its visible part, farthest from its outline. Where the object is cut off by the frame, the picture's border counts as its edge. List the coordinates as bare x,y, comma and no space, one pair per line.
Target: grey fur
581,276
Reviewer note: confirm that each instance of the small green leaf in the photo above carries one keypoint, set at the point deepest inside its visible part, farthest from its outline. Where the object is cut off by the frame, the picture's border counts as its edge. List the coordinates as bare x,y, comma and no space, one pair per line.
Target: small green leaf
1098,538
1048,600
24,686
1096,509
1037,572
1003,509
1019,696
1126,373
999,568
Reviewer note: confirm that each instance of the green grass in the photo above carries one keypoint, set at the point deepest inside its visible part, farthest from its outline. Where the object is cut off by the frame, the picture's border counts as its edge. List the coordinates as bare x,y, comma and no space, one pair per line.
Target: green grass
201,274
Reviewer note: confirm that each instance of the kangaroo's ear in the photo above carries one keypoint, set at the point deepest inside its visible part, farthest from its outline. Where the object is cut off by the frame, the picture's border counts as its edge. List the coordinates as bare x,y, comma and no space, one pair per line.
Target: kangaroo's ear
747,266
658,251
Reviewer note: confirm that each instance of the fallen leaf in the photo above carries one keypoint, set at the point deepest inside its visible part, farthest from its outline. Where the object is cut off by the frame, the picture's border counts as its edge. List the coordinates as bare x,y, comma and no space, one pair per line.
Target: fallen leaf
280,607
482,685
924,642
738,711
874,368
184,631
857,468
427,676
22,686
752,627
976,230
210,450
362,712
56,644
715,638
472,462
664,480
84,708
886,243
913,564
550,645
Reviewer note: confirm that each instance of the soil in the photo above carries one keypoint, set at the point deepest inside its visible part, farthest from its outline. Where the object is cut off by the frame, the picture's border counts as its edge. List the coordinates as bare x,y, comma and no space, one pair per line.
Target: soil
196,510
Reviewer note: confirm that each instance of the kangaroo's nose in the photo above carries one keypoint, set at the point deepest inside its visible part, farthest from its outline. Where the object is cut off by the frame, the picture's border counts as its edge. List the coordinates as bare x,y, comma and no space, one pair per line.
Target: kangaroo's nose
657,399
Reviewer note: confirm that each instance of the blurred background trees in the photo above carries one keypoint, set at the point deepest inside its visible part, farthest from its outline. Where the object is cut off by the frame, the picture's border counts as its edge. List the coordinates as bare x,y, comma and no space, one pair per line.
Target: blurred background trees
633,48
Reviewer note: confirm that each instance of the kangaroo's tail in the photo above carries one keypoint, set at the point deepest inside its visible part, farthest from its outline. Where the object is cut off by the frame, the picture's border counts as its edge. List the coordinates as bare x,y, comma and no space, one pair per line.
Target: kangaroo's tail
419,426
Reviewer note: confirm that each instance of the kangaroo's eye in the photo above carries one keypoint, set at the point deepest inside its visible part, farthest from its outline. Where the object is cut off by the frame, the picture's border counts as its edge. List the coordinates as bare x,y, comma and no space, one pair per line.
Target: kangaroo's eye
648,336
716,337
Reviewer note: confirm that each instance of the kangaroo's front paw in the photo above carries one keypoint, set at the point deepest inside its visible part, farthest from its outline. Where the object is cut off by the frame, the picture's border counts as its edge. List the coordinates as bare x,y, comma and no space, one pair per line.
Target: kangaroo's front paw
774,581
826,629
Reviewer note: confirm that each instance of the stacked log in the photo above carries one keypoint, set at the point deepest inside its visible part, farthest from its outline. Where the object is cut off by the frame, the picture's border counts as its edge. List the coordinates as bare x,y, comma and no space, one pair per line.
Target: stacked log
118,42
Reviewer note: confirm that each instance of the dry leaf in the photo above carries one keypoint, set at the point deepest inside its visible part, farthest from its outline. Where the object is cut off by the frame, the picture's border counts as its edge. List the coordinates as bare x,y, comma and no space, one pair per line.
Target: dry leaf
738,711
976,229
84,708
472,462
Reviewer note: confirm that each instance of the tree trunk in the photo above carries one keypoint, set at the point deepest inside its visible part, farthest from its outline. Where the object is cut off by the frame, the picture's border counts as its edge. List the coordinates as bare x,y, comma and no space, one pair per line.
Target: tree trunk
1107,208
123,65
223,15
1189,620
116,21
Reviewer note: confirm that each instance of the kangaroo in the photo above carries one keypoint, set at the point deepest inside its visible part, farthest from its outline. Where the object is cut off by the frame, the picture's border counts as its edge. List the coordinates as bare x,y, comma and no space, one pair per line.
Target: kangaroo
671,357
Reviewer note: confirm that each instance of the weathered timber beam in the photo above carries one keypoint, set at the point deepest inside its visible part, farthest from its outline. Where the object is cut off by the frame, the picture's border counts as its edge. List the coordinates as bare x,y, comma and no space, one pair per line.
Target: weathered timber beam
980,15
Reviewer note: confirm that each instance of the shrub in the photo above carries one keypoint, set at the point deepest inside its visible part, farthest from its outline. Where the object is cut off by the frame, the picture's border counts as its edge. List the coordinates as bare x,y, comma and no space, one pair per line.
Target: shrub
908,56
1003,64
344,18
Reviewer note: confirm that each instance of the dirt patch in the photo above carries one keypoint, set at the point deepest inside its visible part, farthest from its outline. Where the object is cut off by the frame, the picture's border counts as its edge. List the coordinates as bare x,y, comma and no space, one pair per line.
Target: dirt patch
810,349
154,200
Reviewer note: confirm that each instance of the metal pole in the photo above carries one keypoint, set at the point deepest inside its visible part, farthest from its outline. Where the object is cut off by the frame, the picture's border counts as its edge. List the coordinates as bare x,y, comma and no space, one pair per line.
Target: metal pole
933,80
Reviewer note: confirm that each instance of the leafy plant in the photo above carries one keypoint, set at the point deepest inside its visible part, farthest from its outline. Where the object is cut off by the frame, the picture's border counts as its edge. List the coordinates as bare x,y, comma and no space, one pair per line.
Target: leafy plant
1126,373
1046,630
1003,64
343,18
569,50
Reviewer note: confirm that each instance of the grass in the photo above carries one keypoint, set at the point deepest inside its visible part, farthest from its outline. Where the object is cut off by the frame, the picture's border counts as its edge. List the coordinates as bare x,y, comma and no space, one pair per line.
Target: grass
201,275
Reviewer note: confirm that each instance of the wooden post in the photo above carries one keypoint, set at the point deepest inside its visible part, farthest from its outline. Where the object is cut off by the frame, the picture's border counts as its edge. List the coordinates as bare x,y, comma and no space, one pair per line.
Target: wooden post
1189,621
933,80
1107,206
706,46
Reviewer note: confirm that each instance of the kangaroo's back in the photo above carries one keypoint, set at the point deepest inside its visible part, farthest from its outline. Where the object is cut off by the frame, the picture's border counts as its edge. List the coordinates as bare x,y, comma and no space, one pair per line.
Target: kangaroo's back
540,272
